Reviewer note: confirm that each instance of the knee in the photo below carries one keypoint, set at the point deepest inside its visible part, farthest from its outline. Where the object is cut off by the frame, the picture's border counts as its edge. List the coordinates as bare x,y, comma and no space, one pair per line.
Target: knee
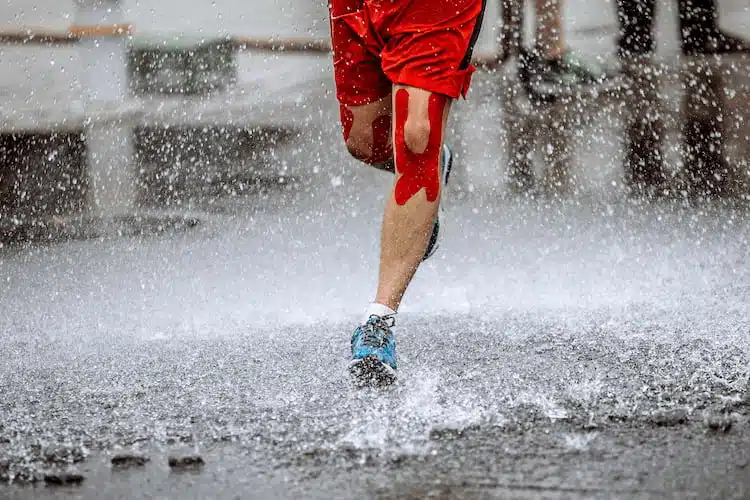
358,148
417,134
372,146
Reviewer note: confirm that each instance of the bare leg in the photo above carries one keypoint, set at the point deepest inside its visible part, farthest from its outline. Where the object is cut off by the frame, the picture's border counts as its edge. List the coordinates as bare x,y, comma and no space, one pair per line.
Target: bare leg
372,132
418,127
636,20
550,40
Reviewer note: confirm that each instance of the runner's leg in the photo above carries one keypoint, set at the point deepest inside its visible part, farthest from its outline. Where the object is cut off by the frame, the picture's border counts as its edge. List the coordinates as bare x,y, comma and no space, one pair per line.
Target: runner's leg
429,68
408,222
425,68
419,120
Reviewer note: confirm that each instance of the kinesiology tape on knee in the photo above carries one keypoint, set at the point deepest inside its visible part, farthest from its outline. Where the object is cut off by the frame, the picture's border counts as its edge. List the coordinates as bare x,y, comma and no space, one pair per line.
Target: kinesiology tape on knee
381,150
421,170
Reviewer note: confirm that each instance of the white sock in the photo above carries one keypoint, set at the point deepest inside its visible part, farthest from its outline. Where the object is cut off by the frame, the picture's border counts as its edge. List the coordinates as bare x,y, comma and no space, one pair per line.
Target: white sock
378,310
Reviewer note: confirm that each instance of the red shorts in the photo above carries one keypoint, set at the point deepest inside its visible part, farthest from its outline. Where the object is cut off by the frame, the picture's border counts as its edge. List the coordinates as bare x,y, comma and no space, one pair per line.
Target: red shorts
419,43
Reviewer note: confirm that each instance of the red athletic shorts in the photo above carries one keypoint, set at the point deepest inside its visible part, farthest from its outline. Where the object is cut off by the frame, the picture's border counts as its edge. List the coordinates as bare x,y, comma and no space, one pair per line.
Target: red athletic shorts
420,43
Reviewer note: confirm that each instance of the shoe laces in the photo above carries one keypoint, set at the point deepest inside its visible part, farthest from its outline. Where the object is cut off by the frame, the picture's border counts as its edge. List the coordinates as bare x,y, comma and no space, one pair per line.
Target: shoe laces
375,331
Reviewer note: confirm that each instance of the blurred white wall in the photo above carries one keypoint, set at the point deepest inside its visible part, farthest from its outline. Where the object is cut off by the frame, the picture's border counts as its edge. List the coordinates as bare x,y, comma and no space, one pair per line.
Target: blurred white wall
257,18
265,18
262,18
49,14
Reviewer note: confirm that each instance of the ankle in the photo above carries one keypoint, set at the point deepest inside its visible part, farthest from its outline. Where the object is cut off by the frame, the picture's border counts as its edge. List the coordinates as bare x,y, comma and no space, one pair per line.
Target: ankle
377,309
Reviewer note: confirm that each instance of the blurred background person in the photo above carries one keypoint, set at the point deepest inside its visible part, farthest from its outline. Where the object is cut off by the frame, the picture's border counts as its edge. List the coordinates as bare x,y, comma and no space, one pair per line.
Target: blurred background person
550,72
705,172
551,67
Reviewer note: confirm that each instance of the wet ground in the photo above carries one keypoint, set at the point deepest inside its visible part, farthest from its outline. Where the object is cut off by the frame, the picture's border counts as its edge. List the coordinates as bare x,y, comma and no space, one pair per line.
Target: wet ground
552,349
574,341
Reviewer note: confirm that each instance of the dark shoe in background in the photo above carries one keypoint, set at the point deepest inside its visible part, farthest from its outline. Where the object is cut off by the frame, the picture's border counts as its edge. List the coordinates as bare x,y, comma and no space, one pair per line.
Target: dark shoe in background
717,42
700,32
567,75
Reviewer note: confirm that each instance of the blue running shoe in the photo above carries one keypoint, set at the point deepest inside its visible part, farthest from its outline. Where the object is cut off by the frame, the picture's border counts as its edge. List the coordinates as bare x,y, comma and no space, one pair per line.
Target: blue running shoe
447,164
374,352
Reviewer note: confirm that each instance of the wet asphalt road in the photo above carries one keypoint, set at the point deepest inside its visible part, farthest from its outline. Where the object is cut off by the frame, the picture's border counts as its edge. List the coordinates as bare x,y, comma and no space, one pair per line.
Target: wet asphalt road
574,347
575,350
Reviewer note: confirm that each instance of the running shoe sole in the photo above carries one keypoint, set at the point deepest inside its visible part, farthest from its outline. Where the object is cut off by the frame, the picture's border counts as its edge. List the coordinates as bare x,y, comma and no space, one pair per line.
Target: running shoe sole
370,371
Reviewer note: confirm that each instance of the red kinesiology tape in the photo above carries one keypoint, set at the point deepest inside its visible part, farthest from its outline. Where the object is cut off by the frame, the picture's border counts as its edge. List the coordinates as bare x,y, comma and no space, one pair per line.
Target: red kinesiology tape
418,171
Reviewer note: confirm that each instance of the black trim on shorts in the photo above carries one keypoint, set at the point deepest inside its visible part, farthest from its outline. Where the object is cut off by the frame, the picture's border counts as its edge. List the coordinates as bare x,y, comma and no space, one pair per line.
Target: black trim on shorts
474,37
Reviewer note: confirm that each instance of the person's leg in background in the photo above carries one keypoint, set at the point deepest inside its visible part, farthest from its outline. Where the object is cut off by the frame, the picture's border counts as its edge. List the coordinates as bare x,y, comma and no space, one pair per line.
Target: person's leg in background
550,40
700,32
552,67
645,130
636,26
511,30
698,25
643,164
705,171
